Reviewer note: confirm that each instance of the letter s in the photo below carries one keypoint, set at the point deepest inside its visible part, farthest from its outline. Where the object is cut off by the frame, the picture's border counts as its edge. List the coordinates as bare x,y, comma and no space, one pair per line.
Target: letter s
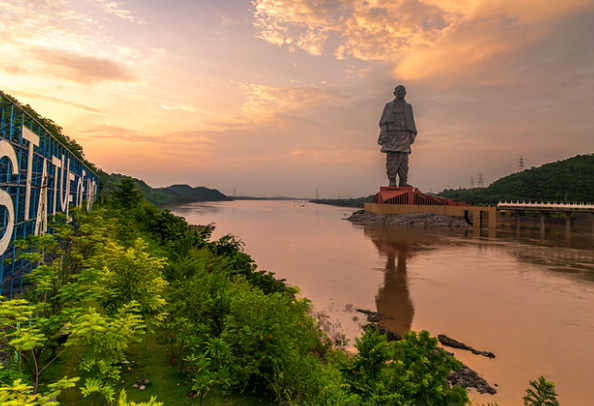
6,150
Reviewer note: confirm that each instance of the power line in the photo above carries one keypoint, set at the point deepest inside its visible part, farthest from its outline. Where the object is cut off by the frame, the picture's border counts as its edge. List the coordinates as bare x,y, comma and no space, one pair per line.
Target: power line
480,180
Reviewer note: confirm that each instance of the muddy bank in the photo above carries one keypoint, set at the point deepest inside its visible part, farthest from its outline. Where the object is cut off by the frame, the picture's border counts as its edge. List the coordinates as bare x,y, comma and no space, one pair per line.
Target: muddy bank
416,219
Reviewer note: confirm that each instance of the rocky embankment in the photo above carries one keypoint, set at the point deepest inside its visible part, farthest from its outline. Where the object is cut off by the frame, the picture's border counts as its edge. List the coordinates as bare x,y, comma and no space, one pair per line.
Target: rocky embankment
416,219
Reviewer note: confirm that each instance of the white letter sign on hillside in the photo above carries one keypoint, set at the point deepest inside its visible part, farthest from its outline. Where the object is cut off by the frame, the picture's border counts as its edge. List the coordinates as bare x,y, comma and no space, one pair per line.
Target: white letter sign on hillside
39,176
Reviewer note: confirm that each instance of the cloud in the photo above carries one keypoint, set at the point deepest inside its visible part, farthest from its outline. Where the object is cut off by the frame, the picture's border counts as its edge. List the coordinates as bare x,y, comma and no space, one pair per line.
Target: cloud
267,102
315,153
135,151
57,100
84,69
114,8
182,108
51,36
372,31
420,38
173,139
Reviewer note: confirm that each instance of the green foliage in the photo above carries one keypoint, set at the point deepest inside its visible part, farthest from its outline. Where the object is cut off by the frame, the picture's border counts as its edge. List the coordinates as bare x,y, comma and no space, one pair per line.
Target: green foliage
369,362
131,274
408,372
571,180
272,337
126,196
127,268
21,394
541,393
123,401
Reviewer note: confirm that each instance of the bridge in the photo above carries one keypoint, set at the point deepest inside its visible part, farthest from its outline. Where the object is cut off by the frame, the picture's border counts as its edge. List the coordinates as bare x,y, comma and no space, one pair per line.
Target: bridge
568,208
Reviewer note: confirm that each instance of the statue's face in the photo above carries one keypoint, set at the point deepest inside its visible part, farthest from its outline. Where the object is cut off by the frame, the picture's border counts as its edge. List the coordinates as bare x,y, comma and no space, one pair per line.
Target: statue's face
400,92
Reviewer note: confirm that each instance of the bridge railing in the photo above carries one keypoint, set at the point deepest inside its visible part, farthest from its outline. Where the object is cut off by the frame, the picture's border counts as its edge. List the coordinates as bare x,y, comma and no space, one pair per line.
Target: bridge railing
548,206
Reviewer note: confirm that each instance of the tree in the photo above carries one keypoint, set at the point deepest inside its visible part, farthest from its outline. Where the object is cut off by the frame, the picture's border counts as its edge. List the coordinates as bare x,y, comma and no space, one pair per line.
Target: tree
107,338
130,274
126,195
541,393
412,371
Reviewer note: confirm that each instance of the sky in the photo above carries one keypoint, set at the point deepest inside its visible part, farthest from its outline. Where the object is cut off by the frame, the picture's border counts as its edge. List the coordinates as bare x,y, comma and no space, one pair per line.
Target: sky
283,97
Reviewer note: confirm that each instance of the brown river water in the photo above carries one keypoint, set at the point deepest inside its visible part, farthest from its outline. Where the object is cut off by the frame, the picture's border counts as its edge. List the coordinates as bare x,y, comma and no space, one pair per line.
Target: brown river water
527,298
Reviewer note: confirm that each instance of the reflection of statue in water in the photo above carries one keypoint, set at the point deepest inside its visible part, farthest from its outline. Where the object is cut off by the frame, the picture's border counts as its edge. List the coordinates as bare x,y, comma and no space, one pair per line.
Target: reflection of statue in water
393,299
398,132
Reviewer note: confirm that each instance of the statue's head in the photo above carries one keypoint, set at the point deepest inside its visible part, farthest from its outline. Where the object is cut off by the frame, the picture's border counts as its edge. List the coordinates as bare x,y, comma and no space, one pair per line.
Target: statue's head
400,92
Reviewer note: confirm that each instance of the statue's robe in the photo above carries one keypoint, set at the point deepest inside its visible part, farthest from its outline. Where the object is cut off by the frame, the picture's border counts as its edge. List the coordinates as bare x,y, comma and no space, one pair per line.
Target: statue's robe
398,130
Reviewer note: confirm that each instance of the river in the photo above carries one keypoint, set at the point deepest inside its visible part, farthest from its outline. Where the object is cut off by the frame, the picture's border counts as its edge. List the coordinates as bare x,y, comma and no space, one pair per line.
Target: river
527,298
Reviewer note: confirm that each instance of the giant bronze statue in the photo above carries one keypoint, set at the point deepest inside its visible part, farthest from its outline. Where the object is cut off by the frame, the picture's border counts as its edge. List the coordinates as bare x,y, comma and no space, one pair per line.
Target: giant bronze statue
398,132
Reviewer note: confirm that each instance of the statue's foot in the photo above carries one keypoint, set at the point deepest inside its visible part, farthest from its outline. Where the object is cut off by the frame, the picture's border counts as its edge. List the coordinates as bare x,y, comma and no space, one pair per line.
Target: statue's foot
392,183
404,184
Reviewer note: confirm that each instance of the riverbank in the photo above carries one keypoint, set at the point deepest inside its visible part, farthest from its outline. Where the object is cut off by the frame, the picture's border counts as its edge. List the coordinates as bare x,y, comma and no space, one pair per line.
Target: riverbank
486,292
415,219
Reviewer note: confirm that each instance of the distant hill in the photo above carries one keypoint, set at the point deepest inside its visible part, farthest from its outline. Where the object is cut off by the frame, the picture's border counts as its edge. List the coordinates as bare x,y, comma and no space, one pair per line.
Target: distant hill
162,196
571,180
185,193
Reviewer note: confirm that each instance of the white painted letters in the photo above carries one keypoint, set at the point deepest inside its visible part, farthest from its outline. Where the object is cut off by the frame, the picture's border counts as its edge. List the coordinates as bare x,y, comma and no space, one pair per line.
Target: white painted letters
6,150
41,220
33,142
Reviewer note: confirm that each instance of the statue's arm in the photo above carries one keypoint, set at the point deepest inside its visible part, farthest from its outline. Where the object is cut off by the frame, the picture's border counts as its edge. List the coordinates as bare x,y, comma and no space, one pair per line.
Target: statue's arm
410,119
386,117
383,123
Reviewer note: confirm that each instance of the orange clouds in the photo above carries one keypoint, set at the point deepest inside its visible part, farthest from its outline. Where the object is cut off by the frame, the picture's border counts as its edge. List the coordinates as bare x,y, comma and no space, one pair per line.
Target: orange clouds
420,38
54,38
113,8
84,69
369,30
134,150
266,102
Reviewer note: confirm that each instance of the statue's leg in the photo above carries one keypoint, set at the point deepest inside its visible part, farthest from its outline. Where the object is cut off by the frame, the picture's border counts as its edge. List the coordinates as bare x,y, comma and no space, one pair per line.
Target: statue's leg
392,163
403,170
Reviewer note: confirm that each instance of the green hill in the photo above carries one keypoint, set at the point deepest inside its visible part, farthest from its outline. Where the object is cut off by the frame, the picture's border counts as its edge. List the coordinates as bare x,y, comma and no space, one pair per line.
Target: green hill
569,180
185,193
163,196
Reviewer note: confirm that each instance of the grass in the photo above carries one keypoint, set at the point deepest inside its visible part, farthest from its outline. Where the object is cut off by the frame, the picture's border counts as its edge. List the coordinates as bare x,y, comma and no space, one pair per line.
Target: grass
148,360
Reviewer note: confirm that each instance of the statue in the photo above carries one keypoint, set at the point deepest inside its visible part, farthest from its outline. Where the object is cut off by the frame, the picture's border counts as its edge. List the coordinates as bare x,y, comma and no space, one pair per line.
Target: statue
398,132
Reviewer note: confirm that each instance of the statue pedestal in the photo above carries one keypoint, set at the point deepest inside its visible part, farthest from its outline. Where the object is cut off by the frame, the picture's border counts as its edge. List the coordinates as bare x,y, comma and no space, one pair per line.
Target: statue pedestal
410,195
408,200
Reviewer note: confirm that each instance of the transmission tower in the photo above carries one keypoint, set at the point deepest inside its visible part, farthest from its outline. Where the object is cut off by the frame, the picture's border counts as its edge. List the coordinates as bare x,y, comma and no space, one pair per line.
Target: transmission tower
521,163
472,181
480,180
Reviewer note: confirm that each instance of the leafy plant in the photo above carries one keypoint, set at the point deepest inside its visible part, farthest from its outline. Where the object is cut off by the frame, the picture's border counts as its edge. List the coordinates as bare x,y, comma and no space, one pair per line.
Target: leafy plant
541,393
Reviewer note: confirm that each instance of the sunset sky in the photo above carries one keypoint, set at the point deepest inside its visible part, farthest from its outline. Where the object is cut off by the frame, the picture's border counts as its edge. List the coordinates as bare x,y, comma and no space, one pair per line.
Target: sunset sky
283,97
